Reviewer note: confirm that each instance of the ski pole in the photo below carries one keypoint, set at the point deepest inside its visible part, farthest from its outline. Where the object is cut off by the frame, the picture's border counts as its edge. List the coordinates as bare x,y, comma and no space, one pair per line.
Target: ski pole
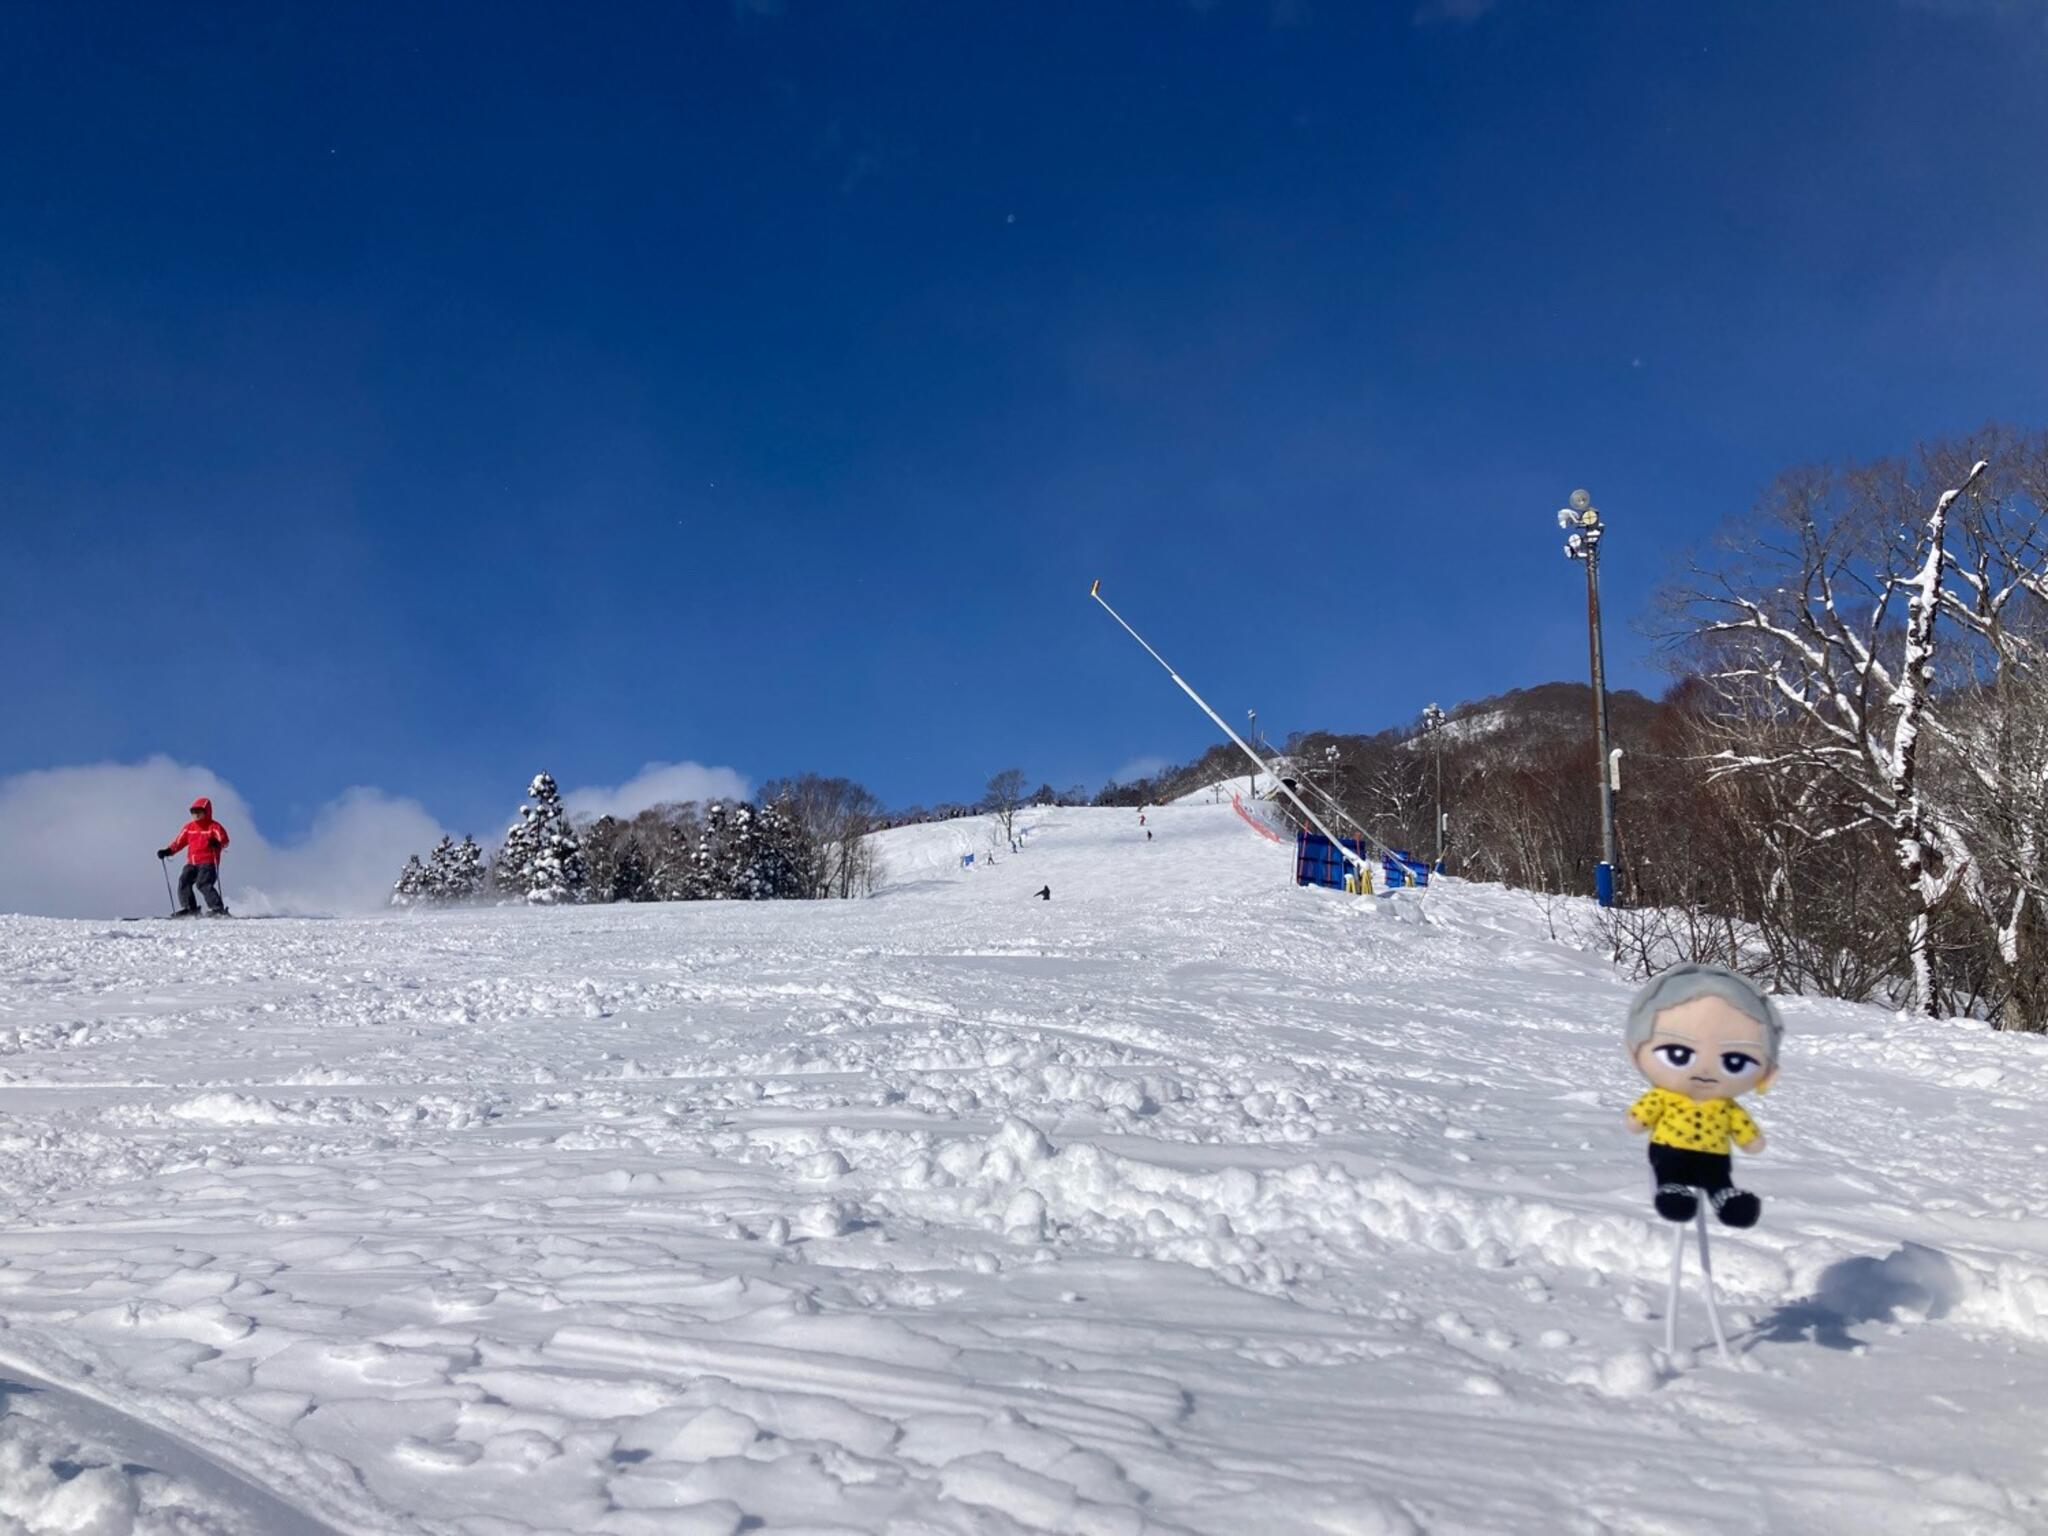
1671,1292
165,866
1707,1279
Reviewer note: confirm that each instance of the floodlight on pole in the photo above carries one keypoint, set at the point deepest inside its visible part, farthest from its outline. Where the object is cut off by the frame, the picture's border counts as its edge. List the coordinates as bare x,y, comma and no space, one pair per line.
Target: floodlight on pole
1583,519
1433,724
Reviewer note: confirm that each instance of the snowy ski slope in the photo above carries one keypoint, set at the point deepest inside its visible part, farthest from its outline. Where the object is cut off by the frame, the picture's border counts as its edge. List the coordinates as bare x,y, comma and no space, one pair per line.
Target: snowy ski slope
1184,1202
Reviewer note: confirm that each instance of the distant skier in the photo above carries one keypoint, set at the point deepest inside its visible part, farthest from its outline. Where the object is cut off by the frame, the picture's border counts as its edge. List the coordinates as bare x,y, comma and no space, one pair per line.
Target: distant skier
1148,834
1044,893
202,840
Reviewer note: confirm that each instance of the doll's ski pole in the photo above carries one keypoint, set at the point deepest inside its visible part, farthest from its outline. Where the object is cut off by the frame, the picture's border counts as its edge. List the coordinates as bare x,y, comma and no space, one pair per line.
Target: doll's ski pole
1707,1278
1671,1294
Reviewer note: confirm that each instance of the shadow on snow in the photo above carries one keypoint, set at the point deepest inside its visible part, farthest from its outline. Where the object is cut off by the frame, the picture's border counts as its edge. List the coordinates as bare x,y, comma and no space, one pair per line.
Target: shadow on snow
1852,1292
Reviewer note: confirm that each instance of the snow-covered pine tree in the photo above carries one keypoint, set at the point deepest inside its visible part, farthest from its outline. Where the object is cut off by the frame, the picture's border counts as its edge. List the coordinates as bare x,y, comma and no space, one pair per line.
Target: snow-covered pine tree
409,890
616,860
440,872
512,869
811,857
674,855
743,874
787,861
604,841
469,874
555,867
631,880
707,877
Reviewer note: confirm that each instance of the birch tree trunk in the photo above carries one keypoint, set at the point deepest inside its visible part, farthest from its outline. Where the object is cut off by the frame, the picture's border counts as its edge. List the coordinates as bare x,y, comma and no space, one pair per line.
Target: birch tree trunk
1910,695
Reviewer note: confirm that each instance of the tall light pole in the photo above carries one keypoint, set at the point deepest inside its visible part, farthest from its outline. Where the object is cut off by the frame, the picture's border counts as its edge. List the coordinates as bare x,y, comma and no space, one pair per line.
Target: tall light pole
1433,723
1582,521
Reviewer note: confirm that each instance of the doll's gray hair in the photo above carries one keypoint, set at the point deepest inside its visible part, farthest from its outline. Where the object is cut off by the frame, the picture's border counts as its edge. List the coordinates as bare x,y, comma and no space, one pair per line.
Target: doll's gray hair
1688,982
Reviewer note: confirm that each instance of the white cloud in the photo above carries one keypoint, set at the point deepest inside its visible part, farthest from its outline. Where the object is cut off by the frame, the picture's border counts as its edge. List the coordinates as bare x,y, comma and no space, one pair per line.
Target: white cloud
83,843
83,839
657,784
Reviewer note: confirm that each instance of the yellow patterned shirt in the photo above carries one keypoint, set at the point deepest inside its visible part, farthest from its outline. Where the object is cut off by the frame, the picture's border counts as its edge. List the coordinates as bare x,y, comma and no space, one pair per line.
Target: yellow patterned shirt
1676,1121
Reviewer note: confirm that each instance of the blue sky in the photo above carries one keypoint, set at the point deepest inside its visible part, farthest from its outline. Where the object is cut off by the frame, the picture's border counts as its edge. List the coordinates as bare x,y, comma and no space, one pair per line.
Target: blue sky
416,397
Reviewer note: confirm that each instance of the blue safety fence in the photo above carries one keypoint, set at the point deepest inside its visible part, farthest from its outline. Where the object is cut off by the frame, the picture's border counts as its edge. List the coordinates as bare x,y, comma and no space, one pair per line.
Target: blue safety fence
1318,862
1402,868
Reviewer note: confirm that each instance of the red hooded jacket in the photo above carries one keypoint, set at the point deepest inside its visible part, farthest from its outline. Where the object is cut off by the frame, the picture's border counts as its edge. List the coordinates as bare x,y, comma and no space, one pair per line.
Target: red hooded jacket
203,837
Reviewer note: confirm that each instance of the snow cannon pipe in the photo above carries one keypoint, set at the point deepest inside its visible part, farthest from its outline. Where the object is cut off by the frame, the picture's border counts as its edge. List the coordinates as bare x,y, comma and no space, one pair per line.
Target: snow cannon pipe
1095,591
1339,812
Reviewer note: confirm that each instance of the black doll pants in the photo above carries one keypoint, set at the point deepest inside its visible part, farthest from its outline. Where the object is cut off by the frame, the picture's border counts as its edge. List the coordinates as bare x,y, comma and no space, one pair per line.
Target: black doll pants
1697,1170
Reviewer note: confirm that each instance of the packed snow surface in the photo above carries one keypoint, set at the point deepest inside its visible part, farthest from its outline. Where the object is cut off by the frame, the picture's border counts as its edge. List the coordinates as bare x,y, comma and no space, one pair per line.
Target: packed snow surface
1185,1201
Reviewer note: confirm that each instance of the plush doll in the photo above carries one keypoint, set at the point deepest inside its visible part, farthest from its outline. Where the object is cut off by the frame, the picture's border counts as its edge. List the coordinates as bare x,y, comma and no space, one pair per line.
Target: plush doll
1703,1036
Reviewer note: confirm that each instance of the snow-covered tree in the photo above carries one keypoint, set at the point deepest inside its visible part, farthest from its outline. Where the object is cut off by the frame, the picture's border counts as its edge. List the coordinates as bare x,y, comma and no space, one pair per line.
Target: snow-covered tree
615,854
773,858
672,846
453,872
1990,731
468,874
1817,662
709,875
512,865
541,861
745,877
440,875
835,820
410,889
630,875
796,860
555,870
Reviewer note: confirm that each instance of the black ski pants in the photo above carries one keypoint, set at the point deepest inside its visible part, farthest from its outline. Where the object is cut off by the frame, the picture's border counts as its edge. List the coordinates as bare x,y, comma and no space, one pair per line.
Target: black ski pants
207,878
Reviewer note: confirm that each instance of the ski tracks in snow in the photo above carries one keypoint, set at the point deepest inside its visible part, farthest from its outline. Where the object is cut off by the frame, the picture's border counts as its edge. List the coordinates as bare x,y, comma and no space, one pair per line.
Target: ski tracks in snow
71,1462
1187,1202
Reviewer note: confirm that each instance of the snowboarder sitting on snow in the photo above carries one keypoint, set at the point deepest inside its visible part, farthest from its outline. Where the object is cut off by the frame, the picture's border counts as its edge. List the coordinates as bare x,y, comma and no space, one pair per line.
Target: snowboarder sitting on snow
1044,893
1703,1036
202,840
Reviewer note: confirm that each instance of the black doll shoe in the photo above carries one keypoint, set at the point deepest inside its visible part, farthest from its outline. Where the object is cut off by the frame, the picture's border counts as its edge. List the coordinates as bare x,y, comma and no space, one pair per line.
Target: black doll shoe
1677,1202
1737,1207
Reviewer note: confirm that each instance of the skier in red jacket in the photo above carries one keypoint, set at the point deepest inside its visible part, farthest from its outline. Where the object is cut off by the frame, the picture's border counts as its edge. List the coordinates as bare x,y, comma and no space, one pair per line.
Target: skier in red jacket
202,840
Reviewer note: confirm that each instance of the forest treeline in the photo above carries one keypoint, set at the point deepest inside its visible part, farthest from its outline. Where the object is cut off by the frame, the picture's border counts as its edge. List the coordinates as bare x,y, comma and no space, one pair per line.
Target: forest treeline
805,838
1844,790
